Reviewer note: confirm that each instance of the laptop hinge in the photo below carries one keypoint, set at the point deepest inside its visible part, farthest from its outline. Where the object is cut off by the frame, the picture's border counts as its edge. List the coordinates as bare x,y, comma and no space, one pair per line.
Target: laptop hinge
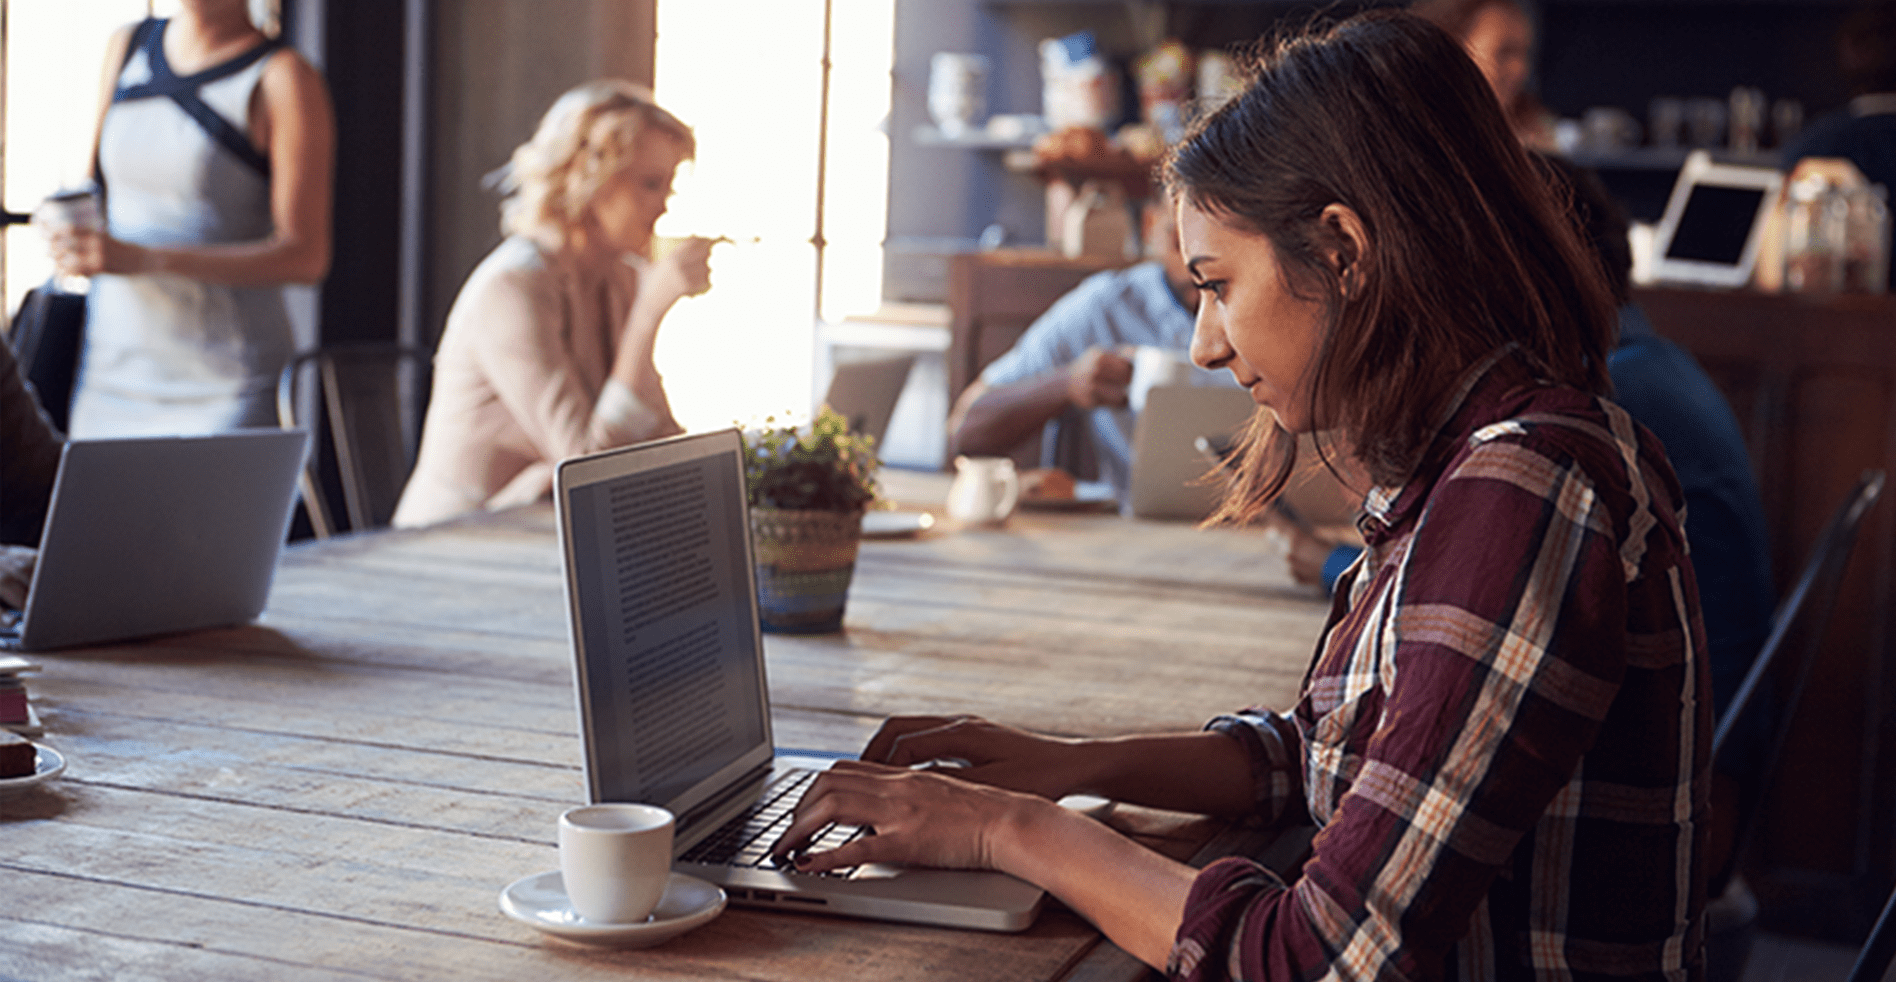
746,785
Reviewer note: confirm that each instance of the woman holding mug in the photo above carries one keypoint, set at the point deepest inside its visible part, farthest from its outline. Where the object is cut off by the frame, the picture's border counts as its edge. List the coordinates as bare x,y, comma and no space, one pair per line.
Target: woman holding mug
215,144
1504,736
547,352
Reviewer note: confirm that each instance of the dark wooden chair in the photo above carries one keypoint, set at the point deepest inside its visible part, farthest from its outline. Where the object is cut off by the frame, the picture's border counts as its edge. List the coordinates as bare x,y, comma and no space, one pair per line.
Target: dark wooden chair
364,392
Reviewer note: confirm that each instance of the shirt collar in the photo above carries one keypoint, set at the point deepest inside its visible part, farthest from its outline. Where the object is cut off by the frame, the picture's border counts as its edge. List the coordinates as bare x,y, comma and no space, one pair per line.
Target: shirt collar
1478,395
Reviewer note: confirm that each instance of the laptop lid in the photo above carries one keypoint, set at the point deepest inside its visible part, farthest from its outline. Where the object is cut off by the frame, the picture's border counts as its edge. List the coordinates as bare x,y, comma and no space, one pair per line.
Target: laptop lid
1167,466
662,613
1713,225
161,534
673,703
865,392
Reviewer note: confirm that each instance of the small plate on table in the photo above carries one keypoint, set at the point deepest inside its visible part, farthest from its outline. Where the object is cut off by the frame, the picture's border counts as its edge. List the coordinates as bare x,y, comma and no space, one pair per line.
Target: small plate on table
1087,496
48,764
895,524
539,901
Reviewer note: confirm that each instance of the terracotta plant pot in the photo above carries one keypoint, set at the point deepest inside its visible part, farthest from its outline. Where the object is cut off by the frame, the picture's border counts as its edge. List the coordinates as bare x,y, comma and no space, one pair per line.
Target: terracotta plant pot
804,562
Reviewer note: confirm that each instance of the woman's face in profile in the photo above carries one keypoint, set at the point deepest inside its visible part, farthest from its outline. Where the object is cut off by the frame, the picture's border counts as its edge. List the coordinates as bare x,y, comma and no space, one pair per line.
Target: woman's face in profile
1249,319
627,205
1499,40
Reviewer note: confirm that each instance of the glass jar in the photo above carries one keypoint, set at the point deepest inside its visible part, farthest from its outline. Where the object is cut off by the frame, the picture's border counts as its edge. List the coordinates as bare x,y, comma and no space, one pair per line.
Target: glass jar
1816,221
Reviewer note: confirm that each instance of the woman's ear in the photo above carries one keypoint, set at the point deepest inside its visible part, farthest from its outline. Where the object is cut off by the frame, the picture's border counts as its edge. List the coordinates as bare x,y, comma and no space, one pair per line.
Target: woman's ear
1349,252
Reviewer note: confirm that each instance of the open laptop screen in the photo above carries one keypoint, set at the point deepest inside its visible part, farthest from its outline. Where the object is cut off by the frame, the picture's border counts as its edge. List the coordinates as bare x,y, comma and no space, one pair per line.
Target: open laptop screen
672,688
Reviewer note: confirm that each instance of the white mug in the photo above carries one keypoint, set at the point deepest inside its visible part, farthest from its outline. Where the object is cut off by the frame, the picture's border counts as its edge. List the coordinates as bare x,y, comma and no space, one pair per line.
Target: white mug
615,860
1154,366
984,491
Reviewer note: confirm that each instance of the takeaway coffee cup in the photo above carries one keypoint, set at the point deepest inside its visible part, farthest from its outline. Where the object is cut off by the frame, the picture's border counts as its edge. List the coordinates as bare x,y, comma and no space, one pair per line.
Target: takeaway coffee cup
78,209
615,860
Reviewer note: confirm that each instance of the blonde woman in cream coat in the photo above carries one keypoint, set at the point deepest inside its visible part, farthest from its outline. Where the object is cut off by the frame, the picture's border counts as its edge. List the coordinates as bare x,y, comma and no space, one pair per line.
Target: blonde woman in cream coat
548,348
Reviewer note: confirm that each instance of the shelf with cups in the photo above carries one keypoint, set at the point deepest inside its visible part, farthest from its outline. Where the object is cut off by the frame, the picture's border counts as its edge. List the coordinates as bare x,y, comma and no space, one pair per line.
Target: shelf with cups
1016,148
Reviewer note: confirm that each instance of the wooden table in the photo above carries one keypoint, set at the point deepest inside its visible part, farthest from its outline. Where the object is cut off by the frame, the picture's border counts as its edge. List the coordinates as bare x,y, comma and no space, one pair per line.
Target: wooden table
341,790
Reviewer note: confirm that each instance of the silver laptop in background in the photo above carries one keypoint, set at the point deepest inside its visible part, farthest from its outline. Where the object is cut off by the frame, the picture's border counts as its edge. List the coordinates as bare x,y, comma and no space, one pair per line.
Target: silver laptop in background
865,392
674,707
1167,466
158,535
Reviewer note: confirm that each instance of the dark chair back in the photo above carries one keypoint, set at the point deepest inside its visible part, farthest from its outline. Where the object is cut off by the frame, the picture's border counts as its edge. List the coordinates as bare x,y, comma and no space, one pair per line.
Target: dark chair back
1802,616
1874,958
365,394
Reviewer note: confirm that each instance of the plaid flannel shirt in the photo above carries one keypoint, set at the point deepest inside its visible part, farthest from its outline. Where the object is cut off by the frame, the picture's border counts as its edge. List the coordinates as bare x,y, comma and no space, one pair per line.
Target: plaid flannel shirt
1504,737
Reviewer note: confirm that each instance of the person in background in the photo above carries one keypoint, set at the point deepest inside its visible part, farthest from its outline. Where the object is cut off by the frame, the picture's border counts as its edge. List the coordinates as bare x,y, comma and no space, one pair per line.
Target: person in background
215,144
1068,375
1504,735
29,461
1500,37
547,352
1865,130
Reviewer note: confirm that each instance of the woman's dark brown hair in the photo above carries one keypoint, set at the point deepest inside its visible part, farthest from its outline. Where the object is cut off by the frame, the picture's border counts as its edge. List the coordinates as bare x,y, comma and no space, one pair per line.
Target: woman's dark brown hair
1468,247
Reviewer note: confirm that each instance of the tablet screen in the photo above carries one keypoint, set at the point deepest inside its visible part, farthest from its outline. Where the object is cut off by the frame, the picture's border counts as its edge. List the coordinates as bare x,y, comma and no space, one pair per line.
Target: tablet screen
1715,224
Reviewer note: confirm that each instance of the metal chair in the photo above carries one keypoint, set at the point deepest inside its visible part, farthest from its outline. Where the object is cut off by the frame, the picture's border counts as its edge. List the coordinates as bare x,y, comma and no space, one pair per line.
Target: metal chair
1874,958
364,391
1806,609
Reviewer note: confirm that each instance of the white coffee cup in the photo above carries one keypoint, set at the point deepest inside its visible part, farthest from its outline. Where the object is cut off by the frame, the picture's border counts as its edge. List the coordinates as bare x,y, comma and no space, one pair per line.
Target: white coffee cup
615,860
1154,366
984,490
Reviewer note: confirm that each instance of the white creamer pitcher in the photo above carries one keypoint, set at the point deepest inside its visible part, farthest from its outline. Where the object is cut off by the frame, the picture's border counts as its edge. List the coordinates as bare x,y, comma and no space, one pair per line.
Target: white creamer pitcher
984,491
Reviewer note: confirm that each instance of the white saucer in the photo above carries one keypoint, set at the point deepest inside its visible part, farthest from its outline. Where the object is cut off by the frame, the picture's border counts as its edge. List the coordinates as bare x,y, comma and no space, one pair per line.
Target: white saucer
895,524
48,765
539,901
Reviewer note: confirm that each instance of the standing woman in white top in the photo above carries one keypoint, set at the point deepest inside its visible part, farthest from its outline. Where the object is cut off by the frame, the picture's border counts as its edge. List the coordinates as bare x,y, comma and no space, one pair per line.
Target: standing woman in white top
547,352
216,149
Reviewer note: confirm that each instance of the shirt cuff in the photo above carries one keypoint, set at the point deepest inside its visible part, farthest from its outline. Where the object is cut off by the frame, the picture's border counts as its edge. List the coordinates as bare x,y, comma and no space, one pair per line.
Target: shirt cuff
620,413
1274,773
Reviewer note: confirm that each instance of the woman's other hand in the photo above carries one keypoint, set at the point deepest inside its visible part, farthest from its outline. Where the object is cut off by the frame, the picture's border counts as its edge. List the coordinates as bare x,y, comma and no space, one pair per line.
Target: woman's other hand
922,817
1002,756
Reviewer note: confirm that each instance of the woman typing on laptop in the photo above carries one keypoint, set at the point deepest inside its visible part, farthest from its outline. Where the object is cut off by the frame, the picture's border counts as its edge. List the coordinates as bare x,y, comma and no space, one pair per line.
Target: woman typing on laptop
1504,736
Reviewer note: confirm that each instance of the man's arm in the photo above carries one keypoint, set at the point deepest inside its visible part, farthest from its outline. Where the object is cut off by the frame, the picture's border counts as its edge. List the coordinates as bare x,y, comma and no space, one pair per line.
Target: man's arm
992,421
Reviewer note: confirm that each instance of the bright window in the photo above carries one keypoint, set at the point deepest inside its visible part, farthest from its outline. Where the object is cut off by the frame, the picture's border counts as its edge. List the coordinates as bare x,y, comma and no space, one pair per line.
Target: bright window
754,98
54,57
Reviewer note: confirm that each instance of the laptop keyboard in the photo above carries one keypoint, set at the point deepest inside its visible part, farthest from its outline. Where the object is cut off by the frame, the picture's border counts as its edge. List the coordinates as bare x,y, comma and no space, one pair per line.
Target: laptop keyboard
746,839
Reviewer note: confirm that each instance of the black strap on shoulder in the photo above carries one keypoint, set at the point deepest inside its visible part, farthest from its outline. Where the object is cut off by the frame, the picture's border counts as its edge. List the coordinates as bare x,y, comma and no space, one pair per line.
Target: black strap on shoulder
150,35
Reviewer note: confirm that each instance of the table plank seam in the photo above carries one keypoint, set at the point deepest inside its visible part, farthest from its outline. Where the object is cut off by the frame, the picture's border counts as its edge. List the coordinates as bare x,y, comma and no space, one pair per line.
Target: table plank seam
254,904
290,810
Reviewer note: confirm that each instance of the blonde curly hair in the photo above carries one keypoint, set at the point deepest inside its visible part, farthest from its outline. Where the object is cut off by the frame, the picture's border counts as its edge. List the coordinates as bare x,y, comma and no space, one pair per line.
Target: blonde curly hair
582,141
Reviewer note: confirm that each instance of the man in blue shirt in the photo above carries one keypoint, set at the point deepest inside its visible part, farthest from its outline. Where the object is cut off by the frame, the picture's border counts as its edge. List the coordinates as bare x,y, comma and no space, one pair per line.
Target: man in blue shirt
1068,376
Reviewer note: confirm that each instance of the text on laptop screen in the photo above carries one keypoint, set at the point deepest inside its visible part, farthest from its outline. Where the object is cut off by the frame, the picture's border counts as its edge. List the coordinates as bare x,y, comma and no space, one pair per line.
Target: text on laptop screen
1715,224
656,556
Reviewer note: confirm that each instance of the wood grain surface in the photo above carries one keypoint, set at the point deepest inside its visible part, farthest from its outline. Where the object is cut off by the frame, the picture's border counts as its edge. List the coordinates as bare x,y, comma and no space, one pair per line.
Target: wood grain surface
340,790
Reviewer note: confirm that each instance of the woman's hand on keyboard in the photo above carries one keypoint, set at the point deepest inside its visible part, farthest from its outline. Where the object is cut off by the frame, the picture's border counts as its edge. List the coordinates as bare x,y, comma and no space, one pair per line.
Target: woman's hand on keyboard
920,817
985,752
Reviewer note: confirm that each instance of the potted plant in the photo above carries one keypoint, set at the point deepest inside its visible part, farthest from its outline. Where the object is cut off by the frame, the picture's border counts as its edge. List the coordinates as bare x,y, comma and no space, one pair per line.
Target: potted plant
808,489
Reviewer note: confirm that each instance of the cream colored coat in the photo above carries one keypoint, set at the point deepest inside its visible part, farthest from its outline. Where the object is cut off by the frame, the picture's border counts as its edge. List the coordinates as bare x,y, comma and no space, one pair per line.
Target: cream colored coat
517,382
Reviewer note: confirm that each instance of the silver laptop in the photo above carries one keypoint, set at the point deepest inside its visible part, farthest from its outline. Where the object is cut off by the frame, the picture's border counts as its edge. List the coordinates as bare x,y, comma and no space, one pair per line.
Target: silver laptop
674,709
158,535
865,392
1167,466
